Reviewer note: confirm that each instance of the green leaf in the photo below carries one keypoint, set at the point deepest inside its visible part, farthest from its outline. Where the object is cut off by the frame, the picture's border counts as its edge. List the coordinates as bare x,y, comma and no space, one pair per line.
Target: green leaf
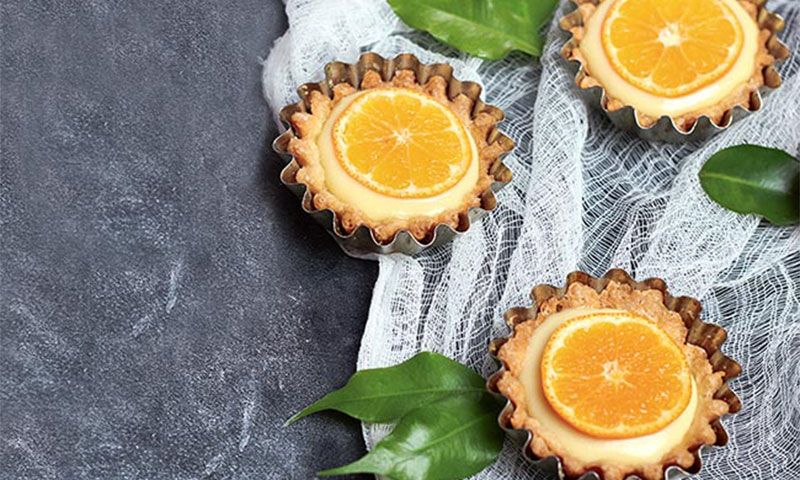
453,439
755,179
385,394
486,28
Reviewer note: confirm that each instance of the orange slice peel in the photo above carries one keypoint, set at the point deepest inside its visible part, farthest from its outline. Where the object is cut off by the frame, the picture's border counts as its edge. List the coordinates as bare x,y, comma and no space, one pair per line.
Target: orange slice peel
615,375
402,143
672,48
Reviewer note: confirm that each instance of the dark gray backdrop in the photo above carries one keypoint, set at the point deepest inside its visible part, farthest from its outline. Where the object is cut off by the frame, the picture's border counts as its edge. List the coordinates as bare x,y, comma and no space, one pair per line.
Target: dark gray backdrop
164,303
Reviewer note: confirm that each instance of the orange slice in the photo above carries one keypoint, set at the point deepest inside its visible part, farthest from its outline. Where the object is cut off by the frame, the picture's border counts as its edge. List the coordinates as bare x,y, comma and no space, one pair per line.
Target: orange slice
402,143
615,375
671,48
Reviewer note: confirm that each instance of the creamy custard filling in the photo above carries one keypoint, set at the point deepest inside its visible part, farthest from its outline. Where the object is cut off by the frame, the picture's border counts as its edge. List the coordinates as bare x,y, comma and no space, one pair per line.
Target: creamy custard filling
599,67
375,205
645,449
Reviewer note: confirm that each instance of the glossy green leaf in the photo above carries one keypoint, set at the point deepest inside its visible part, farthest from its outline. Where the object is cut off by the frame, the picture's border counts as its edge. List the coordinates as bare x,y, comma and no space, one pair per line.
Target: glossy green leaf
486,28
385,394
451,439
755,179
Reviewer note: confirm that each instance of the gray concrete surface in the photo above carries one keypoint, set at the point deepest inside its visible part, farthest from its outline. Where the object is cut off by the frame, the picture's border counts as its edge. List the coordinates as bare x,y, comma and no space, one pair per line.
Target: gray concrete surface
164,303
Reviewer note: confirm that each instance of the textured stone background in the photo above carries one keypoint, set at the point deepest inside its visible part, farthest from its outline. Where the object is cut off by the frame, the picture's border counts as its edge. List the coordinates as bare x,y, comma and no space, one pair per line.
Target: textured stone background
164,303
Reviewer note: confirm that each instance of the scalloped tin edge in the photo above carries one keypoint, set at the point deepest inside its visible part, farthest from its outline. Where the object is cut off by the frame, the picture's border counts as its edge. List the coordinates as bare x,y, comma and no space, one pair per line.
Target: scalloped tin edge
361,242
665,129
708,336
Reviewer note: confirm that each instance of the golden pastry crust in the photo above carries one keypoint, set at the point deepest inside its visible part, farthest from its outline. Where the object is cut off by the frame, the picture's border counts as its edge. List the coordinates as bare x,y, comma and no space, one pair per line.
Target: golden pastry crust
763,73
308,125
649,303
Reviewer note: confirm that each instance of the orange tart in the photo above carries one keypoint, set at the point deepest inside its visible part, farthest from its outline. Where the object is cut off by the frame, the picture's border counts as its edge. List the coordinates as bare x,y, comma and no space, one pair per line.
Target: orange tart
396,146
680,60
615,377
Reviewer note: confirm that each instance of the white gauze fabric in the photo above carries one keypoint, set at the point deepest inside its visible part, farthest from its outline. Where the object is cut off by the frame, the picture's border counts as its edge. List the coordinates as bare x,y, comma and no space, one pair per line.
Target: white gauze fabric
584,196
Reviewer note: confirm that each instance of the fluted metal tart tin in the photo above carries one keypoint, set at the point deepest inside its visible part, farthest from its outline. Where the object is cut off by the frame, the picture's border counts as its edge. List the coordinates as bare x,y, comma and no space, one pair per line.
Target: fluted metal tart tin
665,129
708,336
361,242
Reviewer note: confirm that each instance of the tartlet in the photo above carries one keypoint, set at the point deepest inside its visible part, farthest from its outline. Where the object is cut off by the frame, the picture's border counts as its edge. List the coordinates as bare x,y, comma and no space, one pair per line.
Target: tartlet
393,155
674,70
584,445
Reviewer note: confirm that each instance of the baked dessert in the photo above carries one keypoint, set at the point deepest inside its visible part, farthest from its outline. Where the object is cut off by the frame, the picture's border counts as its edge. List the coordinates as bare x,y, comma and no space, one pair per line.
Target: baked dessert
397,146
680,59
614,377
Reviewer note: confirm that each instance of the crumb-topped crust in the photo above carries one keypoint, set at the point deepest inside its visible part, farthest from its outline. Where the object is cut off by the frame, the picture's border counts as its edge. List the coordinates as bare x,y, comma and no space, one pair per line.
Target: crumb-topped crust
747,96
618,291
480,122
